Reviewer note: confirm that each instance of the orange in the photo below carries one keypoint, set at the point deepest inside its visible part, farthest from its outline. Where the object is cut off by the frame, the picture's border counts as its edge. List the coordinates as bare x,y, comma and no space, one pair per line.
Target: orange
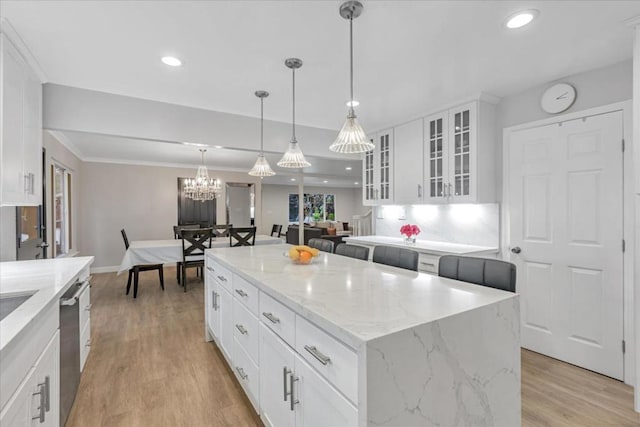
305,257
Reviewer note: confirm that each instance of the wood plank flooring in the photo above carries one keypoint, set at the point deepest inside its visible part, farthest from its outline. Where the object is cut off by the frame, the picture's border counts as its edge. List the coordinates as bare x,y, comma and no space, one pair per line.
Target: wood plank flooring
149,366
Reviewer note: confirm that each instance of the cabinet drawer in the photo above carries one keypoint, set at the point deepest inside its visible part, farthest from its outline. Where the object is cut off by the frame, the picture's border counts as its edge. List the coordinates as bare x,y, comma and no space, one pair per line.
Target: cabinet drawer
85,343
247,373
246,330
278,318
334,360
247,293
84,306
428,263
220,274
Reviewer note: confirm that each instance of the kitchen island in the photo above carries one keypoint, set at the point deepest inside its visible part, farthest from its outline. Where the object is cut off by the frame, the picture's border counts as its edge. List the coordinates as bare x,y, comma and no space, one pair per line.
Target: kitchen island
344,342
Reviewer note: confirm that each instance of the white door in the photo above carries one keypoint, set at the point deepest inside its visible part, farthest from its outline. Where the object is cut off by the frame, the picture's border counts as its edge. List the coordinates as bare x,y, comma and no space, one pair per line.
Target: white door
319,404
224,301
565,195
276,368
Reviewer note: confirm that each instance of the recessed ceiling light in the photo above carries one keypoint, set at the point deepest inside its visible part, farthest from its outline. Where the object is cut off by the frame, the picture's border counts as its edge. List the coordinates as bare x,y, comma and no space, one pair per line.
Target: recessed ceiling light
325,181
353,103
218,146
293,179
520,19
172,61
194,144
348,168
356,183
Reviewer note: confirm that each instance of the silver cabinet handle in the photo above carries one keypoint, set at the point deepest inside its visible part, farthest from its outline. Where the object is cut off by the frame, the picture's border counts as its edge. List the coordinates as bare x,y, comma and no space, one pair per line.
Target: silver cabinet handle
285,372
47,388
209,268
242,329
222,278
32,176
213,299
271,317
26,183
449,190
316,353
41,408
419,191
241,372
241,293
292,381
217,301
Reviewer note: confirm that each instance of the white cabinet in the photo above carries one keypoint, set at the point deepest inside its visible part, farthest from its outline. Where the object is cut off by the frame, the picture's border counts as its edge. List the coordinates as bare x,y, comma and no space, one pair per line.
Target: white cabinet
84,301
377,170
35,402
212,295
459,155
21,133
408,163
276,365
224,301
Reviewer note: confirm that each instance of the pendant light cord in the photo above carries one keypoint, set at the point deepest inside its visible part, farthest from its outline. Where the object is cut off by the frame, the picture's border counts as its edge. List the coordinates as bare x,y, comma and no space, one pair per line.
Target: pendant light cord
262,126
351,61
293,70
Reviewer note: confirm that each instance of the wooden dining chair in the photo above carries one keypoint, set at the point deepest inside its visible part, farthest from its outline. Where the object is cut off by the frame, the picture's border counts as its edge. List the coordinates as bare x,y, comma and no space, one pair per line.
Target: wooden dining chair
221,230
177,229
194,243
396,257
242,236
276,230
492,273
136,269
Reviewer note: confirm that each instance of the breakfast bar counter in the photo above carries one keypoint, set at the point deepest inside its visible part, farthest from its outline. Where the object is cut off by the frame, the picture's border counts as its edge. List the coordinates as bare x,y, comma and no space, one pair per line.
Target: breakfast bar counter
400,348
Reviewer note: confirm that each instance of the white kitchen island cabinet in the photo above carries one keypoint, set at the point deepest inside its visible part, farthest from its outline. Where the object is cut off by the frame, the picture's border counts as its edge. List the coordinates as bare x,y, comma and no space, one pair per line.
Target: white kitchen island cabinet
345,342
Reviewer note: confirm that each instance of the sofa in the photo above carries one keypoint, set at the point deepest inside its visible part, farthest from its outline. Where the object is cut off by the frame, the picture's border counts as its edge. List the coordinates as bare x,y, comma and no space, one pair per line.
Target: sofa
320,230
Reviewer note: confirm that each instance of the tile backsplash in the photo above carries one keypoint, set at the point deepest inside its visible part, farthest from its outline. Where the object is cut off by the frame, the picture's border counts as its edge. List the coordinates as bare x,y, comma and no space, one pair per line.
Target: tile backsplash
471,224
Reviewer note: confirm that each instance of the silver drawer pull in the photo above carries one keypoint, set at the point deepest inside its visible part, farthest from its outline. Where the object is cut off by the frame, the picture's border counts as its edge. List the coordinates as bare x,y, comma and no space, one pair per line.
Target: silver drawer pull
241,293
316,353
41,408
271,317
242,329
222,278
240,372
210,268
293,401
285,372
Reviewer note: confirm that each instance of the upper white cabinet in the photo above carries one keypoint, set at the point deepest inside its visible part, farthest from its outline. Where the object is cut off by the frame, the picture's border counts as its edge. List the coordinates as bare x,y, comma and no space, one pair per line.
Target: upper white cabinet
459,149
21,134
377,170
408,163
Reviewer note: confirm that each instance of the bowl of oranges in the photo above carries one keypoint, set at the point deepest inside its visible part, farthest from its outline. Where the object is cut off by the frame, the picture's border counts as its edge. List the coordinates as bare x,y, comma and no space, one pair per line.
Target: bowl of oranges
302,254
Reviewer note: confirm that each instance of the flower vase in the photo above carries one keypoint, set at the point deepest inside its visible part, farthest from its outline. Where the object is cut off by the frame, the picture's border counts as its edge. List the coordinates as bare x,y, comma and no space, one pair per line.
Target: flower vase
410,240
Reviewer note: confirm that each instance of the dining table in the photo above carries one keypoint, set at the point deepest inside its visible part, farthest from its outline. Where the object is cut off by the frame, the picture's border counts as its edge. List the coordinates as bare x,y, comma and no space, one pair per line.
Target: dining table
170,250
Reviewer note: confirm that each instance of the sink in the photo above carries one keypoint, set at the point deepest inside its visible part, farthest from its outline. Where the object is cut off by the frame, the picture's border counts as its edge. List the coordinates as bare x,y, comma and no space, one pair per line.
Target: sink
9,303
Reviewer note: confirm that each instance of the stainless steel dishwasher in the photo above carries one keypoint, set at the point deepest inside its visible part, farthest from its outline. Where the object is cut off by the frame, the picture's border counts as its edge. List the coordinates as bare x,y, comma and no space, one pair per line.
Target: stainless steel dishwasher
70,347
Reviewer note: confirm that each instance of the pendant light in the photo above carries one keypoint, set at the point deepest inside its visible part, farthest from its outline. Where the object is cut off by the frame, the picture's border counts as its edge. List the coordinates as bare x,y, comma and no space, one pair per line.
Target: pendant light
351,138
293,158
261,168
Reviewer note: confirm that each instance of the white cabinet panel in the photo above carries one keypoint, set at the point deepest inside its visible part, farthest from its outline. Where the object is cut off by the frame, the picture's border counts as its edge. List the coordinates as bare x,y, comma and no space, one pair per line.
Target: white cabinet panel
408,166
377,170
224,301
279,318
248,374
246,330
212,314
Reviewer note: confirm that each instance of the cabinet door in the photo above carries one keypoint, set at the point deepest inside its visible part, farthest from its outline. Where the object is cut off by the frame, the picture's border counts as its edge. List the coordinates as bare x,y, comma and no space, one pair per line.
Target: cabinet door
319,404
32,139
224,302
384,167
12,98
17,411
436,160
47,370
368,177
462,153
276,368
211,304
408,163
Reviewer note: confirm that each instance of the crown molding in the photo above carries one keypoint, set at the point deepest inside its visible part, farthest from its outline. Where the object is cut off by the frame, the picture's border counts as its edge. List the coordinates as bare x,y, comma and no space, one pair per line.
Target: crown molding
633,21
66,142
7,29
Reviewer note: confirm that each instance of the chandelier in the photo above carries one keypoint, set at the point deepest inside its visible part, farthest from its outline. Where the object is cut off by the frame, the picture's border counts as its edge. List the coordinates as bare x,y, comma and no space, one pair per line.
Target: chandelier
202,187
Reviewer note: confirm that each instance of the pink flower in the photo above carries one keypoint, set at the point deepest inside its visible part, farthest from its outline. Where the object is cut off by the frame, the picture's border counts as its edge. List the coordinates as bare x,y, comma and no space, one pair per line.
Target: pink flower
409,230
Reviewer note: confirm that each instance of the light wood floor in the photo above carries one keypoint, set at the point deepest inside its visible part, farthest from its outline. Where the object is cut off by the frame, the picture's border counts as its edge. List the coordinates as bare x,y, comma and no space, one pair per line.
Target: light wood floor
149,366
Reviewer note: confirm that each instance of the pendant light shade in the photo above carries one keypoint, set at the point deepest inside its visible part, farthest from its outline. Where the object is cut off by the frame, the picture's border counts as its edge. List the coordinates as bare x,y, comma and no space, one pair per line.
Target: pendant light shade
261,168
293,157
351,138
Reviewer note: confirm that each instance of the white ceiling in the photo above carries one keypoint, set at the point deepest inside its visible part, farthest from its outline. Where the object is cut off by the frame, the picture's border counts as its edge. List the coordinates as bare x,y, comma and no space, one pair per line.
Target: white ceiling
410,57
106,148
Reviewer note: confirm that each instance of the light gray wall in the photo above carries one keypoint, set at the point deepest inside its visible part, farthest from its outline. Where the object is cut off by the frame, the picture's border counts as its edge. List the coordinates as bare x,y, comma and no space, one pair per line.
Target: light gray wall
594,88
7,233
69,108
140,199
275,207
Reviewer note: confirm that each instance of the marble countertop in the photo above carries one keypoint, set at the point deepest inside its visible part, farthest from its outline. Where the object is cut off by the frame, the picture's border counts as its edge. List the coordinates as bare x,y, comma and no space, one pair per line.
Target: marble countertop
356,301
48,278
425,246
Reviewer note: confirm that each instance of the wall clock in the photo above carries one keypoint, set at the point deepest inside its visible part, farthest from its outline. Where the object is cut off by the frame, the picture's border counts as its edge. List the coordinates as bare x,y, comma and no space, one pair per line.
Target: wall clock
558,98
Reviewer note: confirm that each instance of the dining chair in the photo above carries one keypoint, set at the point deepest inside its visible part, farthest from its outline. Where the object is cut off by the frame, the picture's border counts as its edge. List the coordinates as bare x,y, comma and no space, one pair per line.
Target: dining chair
242,236
136,269
396,257
176,235
492,273
323,245
276,230
221,230
194,243
353,251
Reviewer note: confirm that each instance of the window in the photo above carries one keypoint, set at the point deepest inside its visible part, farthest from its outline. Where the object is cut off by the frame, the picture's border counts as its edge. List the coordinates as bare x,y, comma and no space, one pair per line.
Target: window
61,195
317,208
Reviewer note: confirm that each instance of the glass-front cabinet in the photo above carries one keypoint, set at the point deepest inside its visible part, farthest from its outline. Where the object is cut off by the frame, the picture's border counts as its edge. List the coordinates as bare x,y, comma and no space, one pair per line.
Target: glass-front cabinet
450,155
377,170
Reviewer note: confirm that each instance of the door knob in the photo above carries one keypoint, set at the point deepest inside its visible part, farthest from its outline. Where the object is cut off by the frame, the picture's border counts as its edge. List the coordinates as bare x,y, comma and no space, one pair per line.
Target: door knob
516,250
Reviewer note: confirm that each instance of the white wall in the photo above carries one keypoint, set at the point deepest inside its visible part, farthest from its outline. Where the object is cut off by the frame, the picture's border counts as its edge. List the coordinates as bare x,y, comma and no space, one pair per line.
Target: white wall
7,233
141,199
275,208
